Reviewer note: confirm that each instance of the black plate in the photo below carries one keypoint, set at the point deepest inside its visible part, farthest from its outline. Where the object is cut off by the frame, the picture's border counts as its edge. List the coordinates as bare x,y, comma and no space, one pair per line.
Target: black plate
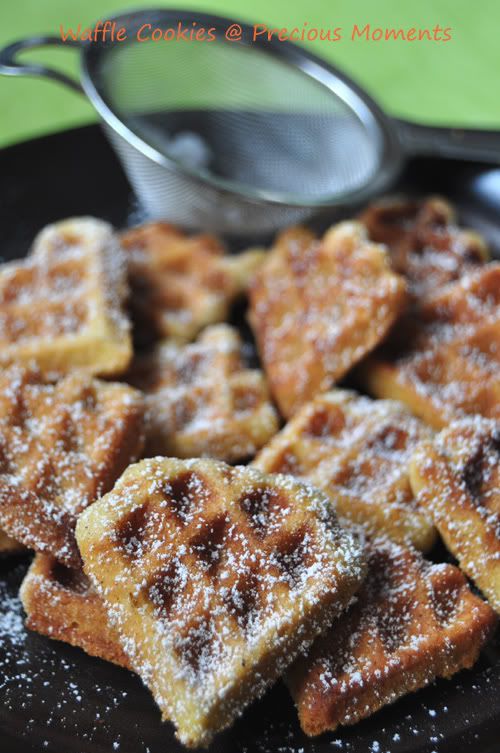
56,698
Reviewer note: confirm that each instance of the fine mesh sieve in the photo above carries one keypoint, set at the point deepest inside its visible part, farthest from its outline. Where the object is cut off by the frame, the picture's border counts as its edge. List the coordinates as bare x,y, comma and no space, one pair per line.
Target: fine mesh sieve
240,137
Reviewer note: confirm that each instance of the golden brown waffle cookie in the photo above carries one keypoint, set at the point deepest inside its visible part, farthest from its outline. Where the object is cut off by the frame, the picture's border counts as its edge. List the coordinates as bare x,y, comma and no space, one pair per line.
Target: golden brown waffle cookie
425,243
318,307
357,450
182,283
61,308
61,446
215,578
412,621
444,362
457,480
9,545
61,604
202,400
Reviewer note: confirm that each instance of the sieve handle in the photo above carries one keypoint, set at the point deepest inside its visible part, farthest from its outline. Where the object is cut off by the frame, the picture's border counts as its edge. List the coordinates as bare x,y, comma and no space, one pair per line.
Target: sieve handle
10,66
453,143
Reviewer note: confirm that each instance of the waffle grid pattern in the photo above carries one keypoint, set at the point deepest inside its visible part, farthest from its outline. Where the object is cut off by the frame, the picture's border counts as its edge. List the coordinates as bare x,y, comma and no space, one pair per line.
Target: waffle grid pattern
357,450
181,283
61,446
413,621
426,245
445,360
202,400
61,307
457,481
229,570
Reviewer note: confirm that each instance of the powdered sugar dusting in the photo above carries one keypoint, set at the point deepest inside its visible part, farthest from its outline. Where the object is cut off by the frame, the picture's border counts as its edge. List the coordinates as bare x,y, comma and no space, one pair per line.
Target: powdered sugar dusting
64,303
357,450
61,446
411,621
230,571
444,358
318,307
425,244
180,283
457,479
202,400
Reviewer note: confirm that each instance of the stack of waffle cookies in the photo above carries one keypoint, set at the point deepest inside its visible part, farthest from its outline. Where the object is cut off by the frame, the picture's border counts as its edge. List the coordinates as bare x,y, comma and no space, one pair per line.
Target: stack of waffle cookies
215,512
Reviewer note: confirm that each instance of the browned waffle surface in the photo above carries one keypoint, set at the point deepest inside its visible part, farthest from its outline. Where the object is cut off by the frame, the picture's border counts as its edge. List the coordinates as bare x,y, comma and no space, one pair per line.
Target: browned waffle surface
457,480
181,283
8,545
445,359
425,243
357,450
202,400
62,306
61,446
215,577
319,306
60,603
411,622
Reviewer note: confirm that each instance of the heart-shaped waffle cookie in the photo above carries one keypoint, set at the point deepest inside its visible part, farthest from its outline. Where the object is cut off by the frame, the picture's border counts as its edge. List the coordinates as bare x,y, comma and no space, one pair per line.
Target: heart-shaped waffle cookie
357,450
60,603
318,306
456,479
425,243
62,307
215,577
444,359
61,446
202,400
411,621
180,283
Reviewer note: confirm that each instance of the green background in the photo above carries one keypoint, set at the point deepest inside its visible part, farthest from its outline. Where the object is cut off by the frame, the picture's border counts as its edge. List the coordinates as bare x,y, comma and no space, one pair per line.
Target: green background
455,83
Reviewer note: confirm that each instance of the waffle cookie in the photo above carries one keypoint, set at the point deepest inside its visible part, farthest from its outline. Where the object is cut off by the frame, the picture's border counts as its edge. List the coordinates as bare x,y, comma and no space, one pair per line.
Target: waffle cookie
357,450
457,480
411,622
319,306
215,578
61,307
61,604
425,243
181,283
61,446
202,400
444,362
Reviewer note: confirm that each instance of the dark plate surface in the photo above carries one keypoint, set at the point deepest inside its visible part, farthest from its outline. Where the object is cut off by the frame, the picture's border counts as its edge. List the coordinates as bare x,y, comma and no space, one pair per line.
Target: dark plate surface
55,698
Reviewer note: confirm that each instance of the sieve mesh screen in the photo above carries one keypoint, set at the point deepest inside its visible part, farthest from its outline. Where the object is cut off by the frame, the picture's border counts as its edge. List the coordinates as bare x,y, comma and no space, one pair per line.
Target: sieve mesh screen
241,114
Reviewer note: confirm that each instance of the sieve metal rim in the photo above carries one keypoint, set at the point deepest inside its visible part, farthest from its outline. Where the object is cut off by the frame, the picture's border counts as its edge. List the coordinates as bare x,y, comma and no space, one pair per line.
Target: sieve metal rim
390,155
